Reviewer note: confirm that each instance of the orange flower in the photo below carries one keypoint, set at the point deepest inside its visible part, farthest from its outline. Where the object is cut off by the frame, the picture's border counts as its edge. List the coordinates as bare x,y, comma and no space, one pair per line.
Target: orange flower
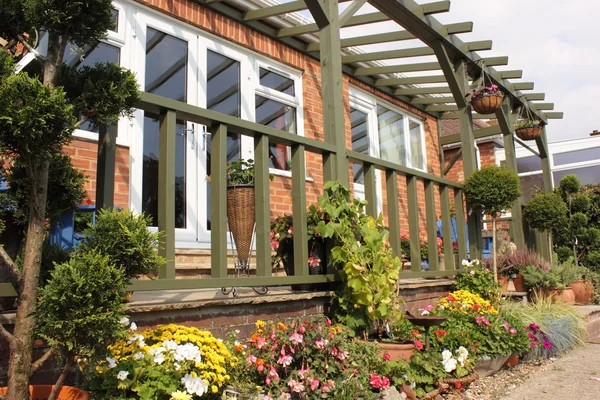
282,326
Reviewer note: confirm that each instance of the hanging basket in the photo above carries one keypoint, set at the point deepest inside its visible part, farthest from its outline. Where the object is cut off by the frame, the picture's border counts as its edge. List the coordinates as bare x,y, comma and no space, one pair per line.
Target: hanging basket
529,133
487,103
240,214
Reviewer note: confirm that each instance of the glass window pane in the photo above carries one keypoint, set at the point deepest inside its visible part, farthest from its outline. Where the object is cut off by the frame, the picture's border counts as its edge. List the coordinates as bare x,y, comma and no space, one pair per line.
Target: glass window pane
531,185
360,140
166,66
276,81
586,175
115,20
222,95
391,135
529,164
416,145
577,156
279,116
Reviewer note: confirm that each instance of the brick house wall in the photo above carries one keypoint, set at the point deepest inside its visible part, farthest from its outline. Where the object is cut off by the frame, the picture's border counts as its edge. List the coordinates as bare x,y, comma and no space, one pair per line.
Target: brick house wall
83,152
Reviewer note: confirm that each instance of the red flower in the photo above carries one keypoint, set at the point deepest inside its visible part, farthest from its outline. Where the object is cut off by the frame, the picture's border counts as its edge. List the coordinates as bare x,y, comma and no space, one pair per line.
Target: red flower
476,307
89,202
419,344
387,356
440,332
458,385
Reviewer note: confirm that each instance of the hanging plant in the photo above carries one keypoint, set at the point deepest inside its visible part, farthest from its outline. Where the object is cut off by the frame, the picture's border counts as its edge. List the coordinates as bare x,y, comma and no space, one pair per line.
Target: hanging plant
487,99
528,129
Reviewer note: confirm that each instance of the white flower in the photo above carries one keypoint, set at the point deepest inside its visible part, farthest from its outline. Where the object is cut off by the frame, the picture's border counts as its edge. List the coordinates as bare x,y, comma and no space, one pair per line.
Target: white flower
138,356
193,385
441,308
472,272
449,365
111,362
169,344
425,312
133,326
465,263
188,351
446,355
156,350
159,358
124,321
122,375
462,355
177,366
136,337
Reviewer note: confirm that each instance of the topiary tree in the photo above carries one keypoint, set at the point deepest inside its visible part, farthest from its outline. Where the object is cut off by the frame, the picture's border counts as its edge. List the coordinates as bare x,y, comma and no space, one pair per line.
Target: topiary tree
37,119
80,309
545,212
127,241
492,190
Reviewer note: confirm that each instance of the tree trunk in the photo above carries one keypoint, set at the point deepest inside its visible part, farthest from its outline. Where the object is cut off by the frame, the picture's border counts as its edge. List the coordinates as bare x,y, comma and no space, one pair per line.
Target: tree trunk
494,266
550,245
61,380
21,352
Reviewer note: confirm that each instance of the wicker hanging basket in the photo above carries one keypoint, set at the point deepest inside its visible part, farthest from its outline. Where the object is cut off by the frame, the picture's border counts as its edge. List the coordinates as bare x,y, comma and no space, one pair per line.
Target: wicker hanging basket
529,133
487,104
240,214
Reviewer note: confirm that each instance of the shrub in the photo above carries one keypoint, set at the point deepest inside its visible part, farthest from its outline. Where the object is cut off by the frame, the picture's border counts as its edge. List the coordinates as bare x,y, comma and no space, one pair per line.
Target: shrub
125,238
492,189
478,279
155,363
545,211
515,263
569,185
79,310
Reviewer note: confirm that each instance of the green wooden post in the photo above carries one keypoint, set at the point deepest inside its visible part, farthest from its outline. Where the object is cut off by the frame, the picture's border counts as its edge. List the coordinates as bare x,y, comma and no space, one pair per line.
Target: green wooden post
431,218
335,165
370,189
166,192
458,80
105,171
299,211
506,121
218,201
393,211
262,205
447,228
413,223
460,224
543,243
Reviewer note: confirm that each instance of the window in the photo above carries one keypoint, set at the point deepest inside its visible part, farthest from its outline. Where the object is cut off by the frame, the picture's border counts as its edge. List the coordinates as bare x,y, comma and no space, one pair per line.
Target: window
276,105
166,75
586,175
529,164
360,140
571,157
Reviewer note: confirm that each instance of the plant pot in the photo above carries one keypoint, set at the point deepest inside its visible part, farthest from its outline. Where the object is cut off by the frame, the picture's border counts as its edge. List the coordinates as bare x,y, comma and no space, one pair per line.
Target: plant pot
40,392
240,215
316,249
567,296
519,283
488,366
503,280
397,351
529,133
583,290
512,361
487,104
451,385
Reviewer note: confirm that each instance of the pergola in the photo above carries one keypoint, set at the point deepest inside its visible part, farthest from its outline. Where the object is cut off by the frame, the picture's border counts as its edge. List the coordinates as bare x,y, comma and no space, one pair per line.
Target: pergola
438,87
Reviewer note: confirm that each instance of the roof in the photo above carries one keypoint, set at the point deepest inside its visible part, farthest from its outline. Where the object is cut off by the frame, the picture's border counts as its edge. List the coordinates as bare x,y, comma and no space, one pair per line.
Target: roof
452,126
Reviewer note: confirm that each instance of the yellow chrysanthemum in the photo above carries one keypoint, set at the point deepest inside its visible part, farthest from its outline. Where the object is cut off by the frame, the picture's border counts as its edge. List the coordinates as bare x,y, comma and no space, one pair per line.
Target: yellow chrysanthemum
179,395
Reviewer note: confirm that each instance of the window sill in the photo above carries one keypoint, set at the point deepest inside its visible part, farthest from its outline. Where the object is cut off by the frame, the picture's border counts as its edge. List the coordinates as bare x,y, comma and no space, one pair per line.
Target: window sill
287,174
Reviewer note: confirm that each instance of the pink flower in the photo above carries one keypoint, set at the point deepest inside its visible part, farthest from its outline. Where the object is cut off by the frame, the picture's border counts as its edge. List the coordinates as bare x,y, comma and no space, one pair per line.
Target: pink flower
303,372
328,322
284,360
429,307
321,343
296,338
512,331
375,381
291,230
260,342
342,355
296,386
481,320
251,359
273,374
418,344
325,389
547,345
314,261
314,384
302,329
274,245
387,356
385,382
334,351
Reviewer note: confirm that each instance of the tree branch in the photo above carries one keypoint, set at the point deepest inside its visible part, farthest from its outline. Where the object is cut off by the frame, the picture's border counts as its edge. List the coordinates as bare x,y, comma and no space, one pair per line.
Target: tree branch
40,361
31,49
7,335
11,264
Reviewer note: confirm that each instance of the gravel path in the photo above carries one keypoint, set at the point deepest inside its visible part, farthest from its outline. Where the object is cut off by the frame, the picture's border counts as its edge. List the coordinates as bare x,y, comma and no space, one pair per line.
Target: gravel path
569,377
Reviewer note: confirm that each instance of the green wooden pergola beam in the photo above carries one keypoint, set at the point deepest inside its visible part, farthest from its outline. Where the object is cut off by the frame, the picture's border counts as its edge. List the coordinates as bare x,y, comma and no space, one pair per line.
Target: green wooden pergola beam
552,115
429,66
477,134
436,7
275,11
452,161
534,96
312,28
413,80
454,115
526,146
318,13
543,106
351,10
425,90
433,100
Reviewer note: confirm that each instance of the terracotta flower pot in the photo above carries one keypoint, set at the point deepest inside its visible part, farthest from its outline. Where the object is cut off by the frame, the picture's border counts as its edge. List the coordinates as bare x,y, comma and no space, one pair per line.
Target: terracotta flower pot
397,351
504,282
40,392
584,291
512,361
519,283
567,296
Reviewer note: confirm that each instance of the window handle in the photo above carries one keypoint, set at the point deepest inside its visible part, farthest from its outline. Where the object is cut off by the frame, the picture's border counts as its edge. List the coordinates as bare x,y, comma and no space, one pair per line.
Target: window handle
205,137
192,131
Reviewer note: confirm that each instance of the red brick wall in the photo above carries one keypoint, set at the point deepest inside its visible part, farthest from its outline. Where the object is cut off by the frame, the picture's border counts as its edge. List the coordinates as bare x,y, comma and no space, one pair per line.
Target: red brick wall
486,155
194,14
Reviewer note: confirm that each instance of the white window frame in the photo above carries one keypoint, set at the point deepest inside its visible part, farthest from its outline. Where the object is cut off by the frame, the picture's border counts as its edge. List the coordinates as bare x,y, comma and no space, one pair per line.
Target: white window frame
272,94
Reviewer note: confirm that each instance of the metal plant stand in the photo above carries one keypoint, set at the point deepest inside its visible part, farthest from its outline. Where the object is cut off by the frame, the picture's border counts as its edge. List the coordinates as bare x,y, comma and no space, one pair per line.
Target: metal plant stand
242,268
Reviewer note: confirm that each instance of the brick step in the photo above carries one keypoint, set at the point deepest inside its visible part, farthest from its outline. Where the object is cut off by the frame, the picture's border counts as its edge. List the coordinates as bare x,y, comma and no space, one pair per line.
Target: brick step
195,263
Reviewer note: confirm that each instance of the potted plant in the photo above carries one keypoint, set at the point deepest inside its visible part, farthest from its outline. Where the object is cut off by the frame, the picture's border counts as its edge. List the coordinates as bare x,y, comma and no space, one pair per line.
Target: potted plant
79,313
487,99
528,129
544,284
477,278
545,212
492,190
512,264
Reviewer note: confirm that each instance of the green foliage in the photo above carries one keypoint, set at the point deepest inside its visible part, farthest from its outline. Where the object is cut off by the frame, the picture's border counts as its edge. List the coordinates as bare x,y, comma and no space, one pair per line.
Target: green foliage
241,172
569,185
79,310
516,262
7,65
101,93
35,121
65,187
83,22
593,260
538,279
545,211
580,203
492,189
125,238
527,123
478,279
